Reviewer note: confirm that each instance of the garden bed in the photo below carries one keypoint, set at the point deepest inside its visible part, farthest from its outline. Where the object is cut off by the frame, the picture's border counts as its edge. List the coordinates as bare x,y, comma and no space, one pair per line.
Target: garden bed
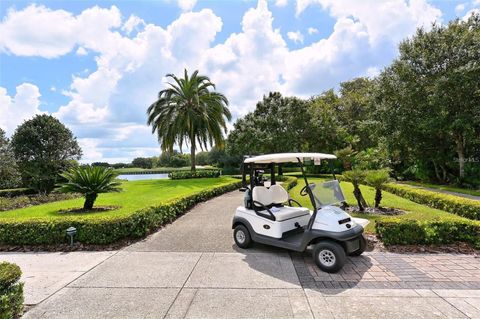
16,202
145,206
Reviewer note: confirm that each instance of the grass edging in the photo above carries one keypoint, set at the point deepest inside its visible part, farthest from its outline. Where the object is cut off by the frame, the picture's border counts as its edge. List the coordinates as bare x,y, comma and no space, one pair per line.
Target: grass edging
396,231
104,230
464,207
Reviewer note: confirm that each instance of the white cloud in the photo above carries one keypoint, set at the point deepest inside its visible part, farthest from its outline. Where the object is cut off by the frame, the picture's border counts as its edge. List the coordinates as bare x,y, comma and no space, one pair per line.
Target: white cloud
15,109
107,105
296,37
36,31
389,19
133,23
459,8
281,3
186,5
476,2
81,51
470,12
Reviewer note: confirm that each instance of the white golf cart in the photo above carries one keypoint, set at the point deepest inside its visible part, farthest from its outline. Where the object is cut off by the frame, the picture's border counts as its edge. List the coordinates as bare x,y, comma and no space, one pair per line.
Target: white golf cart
268,216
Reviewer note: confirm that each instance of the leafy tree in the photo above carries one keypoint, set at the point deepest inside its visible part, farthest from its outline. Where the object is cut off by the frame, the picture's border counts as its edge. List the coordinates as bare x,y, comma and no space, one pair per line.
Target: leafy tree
376,179
355,111
142,162
90,181
356,177
9,175
278,124
189,111
429,97
43,148
203,158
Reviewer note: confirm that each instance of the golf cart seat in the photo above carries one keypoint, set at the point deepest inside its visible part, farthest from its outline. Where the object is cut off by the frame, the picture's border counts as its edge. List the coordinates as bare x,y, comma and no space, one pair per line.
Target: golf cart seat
270,201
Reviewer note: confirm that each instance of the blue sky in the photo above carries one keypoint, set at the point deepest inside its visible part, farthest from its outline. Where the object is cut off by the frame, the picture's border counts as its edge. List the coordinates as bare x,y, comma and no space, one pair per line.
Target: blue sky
97,65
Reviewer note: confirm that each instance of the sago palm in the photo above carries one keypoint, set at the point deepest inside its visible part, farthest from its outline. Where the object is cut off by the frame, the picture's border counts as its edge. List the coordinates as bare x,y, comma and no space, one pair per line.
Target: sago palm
90,181
376,179
189,110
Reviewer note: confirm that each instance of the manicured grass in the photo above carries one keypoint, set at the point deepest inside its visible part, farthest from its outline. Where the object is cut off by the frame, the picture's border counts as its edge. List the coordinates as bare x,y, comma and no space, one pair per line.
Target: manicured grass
135,195
157,169
446,188
414,211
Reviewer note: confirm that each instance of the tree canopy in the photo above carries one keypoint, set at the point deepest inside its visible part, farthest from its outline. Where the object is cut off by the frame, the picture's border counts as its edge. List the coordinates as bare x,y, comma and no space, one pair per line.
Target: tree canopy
189,111
43,148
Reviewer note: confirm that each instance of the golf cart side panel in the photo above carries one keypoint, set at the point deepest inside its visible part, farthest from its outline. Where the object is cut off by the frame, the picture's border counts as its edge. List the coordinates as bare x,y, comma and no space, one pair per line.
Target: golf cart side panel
264,226
300,242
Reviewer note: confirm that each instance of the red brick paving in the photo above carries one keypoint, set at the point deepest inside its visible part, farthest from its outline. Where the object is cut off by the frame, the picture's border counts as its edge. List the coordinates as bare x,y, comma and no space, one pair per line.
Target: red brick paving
389,270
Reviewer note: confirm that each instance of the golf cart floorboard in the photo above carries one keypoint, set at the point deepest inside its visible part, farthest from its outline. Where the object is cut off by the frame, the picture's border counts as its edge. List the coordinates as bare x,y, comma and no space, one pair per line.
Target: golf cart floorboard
291,242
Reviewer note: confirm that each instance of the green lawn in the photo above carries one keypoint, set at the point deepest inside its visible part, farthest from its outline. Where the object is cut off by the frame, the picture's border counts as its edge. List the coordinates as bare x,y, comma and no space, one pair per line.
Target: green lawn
414,211
135,195
156,169
447,188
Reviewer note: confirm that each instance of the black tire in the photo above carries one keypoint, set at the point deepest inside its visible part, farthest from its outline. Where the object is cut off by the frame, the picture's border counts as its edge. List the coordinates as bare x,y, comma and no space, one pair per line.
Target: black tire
363,246
329,256
242,237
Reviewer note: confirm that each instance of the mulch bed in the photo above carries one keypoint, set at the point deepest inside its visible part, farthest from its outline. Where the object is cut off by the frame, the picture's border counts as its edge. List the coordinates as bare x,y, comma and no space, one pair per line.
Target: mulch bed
374,244
97,209
387,211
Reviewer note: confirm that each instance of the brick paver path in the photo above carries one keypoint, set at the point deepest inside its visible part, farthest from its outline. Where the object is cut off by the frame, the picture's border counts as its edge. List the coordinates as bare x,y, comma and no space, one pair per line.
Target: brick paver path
388,270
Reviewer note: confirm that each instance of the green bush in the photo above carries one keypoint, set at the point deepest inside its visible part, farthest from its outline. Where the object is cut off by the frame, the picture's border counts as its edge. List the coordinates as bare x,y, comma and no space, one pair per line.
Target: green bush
103,230
11,291
465,207
396,231
289,182
211,173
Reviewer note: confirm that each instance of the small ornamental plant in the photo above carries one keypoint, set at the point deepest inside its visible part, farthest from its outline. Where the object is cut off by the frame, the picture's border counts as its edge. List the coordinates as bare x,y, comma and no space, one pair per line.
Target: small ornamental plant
90,181
377,179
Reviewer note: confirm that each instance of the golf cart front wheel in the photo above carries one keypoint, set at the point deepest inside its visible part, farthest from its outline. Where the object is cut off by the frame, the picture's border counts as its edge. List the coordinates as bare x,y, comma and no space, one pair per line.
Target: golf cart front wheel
242,238
329,256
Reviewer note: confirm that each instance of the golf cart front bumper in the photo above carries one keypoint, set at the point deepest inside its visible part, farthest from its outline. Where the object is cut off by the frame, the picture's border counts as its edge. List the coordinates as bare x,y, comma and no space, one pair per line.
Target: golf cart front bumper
349,238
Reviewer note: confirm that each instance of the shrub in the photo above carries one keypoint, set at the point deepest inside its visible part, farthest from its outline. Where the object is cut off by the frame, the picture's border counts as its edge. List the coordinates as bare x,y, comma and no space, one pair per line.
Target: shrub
211,173
289,182
103,230
465,207
396,231
90,181
11,291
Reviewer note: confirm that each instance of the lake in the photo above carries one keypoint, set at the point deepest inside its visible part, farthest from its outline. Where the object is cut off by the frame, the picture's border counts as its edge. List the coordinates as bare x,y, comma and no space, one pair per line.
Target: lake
140,177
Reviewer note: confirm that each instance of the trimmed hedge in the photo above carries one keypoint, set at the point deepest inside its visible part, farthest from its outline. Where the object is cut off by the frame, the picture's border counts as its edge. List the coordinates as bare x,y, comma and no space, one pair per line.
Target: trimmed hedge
11,291
396,231
197,174
464,207
103,230
289,182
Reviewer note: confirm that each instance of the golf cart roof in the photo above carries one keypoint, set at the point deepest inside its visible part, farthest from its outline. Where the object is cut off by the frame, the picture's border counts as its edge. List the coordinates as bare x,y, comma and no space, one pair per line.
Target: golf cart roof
287,157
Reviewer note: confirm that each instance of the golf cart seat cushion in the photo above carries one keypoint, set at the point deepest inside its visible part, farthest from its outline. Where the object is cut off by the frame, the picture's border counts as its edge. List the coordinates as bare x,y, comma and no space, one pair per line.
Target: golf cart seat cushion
287,212
262,195
279,194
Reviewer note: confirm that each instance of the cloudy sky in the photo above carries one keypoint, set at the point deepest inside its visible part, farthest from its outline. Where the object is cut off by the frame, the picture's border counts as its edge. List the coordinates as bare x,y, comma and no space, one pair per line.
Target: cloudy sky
97,65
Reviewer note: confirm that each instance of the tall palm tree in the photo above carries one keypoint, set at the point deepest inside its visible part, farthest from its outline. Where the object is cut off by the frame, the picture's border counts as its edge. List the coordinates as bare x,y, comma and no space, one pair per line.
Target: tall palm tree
189,111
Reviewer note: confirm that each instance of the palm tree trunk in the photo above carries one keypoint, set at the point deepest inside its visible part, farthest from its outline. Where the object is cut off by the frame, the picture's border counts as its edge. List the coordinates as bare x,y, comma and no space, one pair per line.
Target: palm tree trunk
192,154
378,197
89,201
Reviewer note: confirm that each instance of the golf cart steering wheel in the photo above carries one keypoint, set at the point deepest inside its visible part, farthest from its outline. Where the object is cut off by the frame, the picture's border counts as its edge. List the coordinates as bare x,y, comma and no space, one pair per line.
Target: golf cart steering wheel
303,191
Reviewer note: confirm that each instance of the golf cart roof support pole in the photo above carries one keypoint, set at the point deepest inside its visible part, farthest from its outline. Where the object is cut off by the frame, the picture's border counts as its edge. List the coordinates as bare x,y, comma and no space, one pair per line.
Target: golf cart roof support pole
272,173
310,195
250,166
330,163
244,176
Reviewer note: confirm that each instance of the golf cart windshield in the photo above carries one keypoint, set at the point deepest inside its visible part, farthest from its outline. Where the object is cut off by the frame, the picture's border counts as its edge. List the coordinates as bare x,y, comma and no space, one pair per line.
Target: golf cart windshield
327,193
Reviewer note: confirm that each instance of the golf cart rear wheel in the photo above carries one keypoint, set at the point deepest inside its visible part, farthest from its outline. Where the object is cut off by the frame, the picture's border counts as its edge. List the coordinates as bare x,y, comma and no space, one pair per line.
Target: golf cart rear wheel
329,256
362,246
242,238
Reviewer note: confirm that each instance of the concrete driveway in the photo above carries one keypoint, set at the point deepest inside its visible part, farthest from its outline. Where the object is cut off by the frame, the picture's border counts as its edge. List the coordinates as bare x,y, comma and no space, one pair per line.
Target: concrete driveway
191,269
